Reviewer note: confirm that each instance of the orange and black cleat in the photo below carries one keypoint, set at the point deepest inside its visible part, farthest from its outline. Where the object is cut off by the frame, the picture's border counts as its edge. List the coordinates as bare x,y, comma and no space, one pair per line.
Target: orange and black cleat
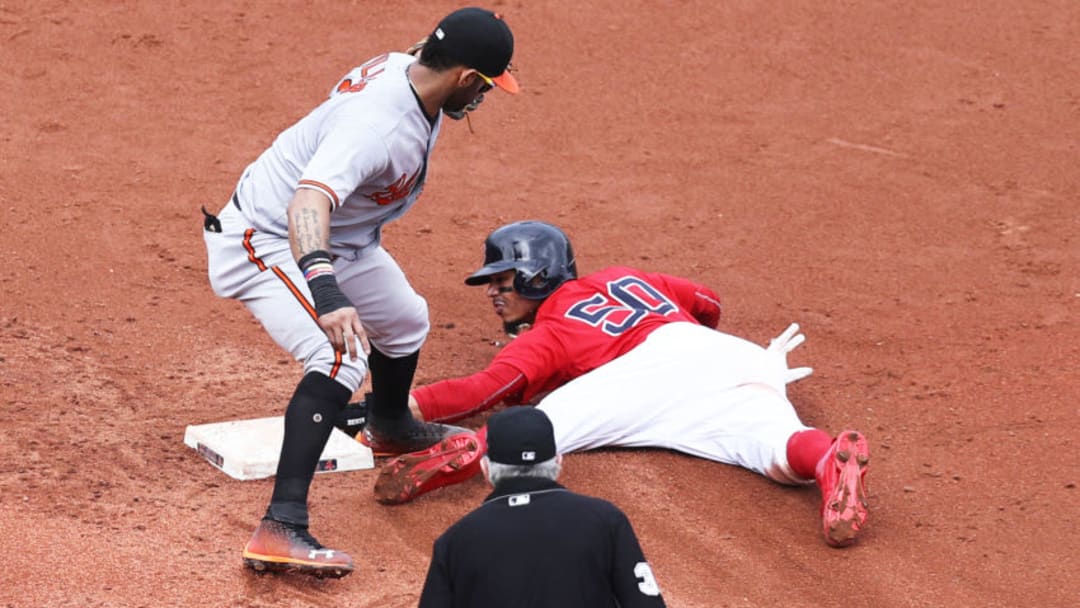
281,547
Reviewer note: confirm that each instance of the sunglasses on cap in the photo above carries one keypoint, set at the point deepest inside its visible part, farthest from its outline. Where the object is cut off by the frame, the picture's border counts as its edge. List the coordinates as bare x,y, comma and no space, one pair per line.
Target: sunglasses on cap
488,83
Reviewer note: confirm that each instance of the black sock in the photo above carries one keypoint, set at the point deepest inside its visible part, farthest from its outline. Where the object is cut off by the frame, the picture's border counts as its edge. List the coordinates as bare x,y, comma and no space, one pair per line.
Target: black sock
309,420
391,380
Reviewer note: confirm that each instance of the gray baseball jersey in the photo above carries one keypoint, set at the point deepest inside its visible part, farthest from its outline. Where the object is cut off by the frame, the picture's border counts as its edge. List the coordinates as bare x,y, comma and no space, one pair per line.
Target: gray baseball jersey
367,149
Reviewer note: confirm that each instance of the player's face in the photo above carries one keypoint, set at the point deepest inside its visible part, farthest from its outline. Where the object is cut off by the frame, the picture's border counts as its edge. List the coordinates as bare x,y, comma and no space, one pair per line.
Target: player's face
510,306
476,85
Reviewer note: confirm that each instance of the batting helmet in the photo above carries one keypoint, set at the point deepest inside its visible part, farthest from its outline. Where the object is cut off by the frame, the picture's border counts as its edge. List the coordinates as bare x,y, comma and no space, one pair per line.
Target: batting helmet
539,253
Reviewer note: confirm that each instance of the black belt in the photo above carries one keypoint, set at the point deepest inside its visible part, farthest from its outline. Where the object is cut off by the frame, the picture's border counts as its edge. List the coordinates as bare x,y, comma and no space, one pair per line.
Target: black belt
236,201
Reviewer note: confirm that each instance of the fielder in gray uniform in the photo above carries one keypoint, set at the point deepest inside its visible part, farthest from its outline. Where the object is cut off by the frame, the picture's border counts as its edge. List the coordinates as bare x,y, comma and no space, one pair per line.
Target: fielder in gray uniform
299,243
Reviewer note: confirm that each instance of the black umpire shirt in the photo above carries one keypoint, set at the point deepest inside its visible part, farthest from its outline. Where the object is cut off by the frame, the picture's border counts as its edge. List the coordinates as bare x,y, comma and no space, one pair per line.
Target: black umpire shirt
535,544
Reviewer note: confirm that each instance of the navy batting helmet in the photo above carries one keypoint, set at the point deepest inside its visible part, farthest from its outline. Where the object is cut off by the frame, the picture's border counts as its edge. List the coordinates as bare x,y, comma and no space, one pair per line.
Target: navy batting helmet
539,253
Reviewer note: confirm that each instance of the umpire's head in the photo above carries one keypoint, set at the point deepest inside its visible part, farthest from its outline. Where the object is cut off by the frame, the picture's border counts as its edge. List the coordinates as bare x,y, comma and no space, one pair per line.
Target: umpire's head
521,443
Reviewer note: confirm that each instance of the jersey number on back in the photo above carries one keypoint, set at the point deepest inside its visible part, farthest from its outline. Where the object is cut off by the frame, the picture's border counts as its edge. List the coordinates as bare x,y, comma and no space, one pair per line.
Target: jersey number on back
368,72
647,585
628,300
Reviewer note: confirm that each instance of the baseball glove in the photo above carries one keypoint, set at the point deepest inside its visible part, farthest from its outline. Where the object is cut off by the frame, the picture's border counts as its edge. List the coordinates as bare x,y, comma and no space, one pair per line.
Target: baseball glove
415,49
353,418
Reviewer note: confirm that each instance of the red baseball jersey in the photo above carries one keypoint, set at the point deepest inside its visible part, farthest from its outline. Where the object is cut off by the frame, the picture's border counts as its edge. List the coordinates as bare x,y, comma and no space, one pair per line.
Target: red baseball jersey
584,324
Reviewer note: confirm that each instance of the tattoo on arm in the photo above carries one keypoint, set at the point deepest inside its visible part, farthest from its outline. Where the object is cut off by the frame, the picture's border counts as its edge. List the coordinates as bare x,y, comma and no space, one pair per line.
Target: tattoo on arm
308,233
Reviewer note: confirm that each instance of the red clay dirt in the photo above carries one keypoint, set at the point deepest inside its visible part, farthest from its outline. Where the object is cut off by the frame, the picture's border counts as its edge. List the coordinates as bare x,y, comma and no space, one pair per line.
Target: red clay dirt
898,177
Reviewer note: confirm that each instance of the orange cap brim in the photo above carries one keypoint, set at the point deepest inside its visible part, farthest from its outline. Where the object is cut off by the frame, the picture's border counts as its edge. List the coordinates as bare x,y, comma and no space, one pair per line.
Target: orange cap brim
507,82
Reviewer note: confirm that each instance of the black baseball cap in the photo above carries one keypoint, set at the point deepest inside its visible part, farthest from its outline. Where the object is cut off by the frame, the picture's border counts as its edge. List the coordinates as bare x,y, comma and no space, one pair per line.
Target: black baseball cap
479,39
520,435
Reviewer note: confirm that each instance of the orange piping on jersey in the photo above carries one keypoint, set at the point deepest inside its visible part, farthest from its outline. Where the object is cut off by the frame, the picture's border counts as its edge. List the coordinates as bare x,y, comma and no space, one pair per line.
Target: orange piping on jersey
327,190
251,249
299,295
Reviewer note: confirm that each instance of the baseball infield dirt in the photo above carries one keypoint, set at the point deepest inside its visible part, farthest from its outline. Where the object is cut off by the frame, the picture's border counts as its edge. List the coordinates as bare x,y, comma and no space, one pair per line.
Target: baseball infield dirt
900,178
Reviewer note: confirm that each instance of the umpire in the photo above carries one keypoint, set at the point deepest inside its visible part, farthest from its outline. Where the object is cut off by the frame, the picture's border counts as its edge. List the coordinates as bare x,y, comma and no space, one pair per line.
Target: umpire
533,542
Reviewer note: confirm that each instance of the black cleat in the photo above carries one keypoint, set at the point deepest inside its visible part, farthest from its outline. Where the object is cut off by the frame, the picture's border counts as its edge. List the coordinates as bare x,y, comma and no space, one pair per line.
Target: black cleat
406,437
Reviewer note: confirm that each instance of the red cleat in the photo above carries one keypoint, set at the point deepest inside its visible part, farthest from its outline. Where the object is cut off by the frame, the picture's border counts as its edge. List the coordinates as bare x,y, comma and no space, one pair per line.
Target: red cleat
452,460
277,546
841,476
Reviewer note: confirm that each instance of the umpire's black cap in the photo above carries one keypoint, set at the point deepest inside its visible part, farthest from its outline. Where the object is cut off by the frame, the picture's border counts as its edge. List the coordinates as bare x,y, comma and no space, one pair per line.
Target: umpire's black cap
520,435
481,40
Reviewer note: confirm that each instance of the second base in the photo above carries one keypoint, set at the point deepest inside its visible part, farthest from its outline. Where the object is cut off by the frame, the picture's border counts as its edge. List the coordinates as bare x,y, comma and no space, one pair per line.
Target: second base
249,449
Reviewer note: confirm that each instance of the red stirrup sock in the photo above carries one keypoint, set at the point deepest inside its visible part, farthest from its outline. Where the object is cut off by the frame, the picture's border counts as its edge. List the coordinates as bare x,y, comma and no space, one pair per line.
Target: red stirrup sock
805,449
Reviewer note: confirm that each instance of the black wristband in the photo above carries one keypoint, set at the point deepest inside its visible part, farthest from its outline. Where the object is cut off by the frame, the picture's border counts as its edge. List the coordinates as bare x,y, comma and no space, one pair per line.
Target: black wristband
314,258
327,294
318,269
